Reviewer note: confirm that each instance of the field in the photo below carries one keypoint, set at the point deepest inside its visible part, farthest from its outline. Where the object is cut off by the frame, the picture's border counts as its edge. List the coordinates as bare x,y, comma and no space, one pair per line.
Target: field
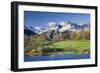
80,46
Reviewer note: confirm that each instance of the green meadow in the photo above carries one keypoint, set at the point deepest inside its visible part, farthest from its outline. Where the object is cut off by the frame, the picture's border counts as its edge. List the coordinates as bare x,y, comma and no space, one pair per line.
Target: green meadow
79,45
82,44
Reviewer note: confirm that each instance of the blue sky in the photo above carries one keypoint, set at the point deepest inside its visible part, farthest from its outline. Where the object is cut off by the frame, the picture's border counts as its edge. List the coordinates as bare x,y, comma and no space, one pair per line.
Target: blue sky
41,19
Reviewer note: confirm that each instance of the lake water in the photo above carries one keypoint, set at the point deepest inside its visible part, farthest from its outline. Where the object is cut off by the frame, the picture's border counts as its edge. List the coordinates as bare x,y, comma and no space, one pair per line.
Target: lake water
56,57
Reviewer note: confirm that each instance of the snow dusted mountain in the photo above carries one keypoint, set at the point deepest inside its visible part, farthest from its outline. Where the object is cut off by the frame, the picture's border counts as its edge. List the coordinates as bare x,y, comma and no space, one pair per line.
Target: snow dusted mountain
79,27
40,30
29,31
30,27
52,26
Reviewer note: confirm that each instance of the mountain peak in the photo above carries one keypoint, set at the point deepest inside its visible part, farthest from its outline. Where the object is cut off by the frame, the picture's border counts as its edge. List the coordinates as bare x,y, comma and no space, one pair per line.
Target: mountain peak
61,26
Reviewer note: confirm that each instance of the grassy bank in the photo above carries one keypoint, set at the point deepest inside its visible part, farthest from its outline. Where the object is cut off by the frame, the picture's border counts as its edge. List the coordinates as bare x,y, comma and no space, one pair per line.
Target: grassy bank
80,45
